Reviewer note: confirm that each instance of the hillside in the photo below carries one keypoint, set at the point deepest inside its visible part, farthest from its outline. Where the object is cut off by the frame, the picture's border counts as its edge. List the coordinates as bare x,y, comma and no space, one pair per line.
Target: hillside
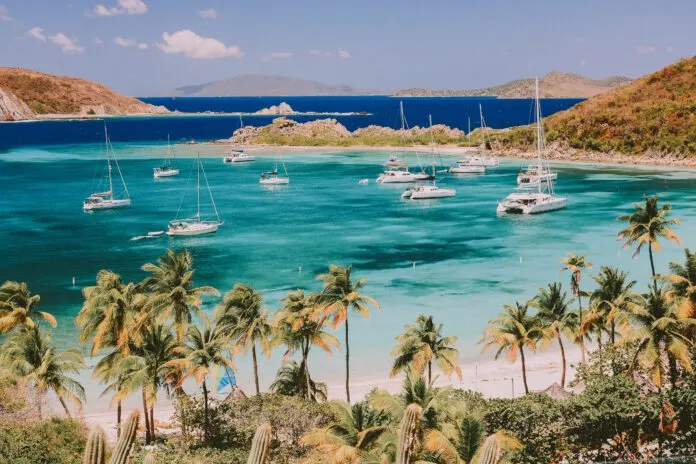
553,85
251,85
653,113
27,94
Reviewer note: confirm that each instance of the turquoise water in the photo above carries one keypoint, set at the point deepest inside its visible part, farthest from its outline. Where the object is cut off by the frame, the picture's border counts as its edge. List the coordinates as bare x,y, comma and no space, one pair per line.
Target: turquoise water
468,262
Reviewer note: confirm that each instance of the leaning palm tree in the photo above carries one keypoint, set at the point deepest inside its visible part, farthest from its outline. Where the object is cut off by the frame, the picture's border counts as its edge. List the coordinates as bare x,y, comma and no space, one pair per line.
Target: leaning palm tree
575,264
299,327
291,380
28,353
611,299
660,332
553,305
422,344
203,353
242,312
646,226
18,307
511,332
683,282
112,316
342,295
173,293
352,437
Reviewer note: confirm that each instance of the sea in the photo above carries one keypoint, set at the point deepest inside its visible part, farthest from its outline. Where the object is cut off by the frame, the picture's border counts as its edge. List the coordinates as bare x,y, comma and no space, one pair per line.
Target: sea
454,258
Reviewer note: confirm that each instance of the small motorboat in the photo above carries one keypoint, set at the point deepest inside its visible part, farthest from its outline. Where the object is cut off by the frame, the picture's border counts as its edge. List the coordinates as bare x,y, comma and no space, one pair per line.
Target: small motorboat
364,181
428,192
238,156
138,237
155,234
464,166
395,162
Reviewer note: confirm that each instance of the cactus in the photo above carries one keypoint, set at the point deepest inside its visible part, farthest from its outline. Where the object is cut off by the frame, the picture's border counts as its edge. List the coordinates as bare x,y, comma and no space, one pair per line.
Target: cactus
260,444
490,452
149,459
125,443
407,433
95,450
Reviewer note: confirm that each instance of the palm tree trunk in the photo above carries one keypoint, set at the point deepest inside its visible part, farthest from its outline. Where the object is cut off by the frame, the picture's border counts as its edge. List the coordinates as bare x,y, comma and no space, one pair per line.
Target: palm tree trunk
613,333
118,419
599,349
205,412
430,371
256,368
582,337
524,372
347,363
652,266
152,422
308,383
65,406
147,419
563,359
673,374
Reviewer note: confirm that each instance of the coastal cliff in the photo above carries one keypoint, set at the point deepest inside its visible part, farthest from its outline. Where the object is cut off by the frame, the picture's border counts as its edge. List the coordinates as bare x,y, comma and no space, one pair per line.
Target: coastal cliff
553,85
27,94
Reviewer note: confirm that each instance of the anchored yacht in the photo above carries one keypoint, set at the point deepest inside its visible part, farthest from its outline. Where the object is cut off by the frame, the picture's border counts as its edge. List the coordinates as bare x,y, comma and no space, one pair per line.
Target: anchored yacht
238,156
107,199
167,169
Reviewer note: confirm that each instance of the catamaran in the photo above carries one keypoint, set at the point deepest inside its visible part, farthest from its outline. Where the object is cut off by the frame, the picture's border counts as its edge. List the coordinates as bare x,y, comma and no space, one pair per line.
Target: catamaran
272,177
482,158
167,169
195,225
537,172
107,200
238,156
526,200
400,174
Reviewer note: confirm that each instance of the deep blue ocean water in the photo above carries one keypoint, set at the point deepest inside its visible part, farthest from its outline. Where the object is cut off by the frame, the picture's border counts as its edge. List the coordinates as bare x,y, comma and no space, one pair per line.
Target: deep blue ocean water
384,111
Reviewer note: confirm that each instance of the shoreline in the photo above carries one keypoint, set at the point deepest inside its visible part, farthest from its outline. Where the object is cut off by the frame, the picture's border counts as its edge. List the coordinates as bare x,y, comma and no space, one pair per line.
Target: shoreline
177,114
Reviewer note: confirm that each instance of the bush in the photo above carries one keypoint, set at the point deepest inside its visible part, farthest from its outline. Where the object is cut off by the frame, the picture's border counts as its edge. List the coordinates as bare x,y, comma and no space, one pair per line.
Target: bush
53,441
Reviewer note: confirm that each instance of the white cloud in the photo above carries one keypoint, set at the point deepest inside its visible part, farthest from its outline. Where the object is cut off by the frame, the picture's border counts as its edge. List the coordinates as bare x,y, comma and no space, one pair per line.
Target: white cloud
210,13
670,49
143,46
129,7
36,33
98,41
4,14
194,46
344,53
66,44
124,42
280,55
319,53
645,49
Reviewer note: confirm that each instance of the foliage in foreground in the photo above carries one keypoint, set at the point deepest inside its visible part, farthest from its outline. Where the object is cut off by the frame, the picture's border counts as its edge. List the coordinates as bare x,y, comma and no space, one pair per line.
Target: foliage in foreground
53,441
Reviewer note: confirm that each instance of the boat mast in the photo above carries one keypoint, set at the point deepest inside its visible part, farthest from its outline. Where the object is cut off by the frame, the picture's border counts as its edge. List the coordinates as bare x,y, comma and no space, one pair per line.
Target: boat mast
539,137
108,162
210,192
432,143
483,135
198,188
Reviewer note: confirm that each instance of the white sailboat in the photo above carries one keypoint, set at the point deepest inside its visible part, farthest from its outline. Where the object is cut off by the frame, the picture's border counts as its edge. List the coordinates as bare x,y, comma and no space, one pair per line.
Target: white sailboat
483,158
196,225
527,200
272,177
537,172
107,200
238,156
167,169
398,172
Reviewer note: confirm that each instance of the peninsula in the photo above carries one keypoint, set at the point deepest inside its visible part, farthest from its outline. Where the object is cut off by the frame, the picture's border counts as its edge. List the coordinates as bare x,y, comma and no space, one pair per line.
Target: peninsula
28,95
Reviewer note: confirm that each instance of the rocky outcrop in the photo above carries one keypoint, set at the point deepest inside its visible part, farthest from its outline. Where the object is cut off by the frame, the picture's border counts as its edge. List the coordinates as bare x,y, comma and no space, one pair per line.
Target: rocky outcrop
287,128
12,108
283,108
438,130
47,96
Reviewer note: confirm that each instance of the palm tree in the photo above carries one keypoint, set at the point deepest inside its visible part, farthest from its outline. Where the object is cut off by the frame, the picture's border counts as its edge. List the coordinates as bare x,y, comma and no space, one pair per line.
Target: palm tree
28,353
293,379
422,344
341,295
299,327
112,315
552,303
612,297
660,332
241,311
18,307
146,370
683,282
173,293
510,332
647,225
352,437
575,264
202,353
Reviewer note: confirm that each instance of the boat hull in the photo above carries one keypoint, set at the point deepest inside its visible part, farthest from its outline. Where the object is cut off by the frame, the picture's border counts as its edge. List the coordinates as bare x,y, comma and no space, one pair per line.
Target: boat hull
534,180
471,169
513,207
193,229
275,181
430,195
106,204
157,174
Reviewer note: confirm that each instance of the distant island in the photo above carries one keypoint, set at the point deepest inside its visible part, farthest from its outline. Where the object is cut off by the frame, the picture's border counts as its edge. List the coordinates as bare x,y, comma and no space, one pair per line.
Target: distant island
252,85
27,95
553,85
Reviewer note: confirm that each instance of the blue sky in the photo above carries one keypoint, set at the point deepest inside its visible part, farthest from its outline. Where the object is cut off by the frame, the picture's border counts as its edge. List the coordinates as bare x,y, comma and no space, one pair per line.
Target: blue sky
143,46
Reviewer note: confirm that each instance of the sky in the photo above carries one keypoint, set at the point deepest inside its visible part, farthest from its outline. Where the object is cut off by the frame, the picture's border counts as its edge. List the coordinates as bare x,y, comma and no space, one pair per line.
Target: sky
140,47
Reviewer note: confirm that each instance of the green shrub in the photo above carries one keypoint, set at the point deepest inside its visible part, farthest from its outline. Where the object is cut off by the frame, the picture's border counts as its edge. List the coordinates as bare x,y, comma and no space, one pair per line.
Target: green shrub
53,441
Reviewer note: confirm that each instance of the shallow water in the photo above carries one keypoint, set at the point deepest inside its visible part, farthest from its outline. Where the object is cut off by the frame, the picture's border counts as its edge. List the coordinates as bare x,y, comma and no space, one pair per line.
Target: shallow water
468,261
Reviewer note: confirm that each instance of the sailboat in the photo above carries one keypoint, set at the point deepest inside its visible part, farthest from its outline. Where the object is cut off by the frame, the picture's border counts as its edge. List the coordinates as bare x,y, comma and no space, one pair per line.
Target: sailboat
528,201
482,159
272,177
166,170
107,200
238,156
537,172
427,192
398,172
196,225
